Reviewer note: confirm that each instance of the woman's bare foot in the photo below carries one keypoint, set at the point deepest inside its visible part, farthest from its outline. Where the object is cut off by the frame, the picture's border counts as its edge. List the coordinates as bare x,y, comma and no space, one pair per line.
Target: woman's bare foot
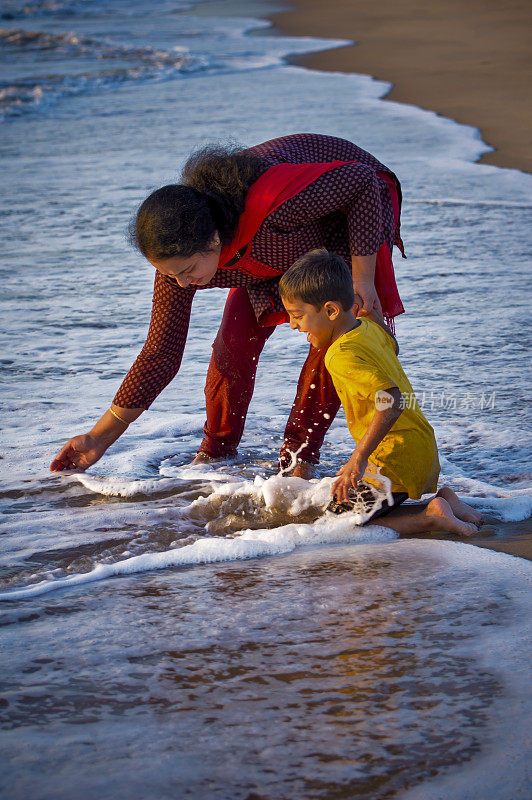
459,508
440,517
303,469
203,458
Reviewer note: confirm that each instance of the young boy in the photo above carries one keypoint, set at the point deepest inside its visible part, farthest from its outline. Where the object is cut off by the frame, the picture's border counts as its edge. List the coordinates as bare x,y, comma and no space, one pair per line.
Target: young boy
389,429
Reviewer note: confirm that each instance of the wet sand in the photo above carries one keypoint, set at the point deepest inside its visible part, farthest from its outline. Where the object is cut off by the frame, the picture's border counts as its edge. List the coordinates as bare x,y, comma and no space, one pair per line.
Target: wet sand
468,61
514,538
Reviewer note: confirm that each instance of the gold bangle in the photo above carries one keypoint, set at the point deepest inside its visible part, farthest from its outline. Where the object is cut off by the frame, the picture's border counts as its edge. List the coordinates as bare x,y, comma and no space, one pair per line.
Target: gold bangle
118,418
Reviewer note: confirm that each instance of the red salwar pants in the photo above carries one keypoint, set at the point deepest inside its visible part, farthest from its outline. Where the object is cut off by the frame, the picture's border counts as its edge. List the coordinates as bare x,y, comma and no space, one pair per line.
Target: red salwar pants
231,379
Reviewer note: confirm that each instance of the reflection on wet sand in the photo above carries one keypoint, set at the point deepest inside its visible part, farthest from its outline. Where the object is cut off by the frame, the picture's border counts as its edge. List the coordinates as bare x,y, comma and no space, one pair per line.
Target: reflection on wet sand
335,673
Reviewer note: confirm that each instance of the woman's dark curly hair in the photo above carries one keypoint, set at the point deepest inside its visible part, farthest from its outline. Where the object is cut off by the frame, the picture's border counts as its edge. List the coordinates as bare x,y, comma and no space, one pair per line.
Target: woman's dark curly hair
181,219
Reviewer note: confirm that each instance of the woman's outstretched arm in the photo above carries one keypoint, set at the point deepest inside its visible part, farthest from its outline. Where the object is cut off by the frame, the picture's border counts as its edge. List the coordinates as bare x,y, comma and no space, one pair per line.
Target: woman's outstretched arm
159,360
155,366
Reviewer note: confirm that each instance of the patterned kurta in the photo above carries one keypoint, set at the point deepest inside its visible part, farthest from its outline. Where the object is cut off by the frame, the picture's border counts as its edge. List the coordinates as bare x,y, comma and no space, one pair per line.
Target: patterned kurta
347,210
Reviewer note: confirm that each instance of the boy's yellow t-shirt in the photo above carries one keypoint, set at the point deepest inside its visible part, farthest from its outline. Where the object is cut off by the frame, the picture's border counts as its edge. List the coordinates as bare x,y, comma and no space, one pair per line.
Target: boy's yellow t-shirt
361,363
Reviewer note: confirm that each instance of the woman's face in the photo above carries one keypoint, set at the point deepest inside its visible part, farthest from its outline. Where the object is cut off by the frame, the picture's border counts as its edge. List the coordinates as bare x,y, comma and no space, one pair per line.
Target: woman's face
194,270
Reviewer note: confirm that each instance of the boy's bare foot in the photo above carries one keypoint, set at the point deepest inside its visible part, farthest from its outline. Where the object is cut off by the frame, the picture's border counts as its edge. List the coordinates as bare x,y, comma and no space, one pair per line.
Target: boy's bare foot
440,517
459,508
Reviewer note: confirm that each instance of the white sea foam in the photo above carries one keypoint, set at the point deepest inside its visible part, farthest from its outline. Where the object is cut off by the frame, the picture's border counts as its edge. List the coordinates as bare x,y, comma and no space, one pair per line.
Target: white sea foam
249,544
286,496
294,495
121,487
291,496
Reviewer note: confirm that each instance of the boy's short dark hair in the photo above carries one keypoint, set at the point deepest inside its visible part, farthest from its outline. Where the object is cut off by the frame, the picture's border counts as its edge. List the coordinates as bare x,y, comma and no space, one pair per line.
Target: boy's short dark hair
319,276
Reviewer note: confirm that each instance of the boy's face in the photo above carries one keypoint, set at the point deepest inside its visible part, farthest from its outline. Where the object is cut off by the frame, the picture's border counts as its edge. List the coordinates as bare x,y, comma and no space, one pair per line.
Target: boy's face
318,325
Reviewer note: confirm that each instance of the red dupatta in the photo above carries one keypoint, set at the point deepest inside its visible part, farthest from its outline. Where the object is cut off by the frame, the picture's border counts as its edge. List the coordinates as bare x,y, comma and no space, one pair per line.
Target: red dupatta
278,184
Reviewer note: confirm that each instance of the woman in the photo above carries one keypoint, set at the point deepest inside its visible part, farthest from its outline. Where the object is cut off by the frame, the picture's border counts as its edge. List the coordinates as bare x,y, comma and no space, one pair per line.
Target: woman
239,220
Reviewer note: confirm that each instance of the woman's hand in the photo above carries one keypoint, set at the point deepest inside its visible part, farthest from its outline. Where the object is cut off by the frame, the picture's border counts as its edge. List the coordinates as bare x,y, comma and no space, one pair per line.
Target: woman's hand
83,451
370,298
363,271
80,452
350,475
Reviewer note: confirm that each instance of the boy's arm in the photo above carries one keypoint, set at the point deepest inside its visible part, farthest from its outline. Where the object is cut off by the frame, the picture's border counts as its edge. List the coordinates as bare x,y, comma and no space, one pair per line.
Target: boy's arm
374,316
352,472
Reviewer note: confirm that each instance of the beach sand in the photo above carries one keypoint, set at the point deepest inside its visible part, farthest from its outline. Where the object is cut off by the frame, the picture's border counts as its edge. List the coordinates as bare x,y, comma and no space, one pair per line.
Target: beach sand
470,61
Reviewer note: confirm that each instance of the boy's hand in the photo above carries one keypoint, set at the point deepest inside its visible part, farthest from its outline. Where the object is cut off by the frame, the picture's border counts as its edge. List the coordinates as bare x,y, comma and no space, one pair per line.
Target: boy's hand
350,475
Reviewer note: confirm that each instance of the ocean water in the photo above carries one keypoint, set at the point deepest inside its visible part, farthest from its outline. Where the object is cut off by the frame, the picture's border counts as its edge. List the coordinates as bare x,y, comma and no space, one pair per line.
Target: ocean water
211,633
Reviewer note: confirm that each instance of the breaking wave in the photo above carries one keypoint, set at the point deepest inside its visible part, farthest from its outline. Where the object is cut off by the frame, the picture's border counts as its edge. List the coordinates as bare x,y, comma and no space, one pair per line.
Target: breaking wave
137,64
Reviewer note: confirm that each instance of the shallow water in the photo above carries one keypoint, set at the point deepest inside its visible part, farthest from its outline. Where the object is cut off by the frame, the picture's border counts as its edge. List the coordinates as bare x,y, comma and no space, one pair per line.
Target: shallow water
331,673
90,127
